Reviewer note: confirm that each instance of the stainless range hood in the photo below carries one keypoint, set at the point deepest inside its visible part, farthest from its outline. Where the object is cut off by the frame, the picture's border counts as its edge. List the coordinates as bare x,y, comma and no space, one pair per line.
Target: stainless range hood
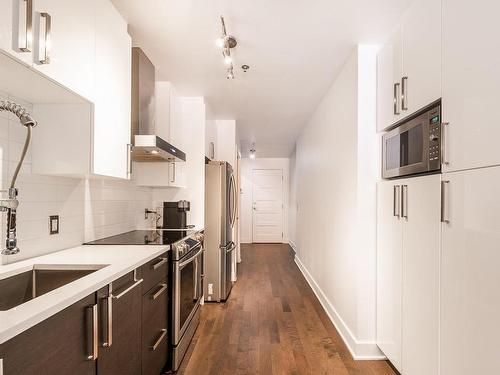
147,145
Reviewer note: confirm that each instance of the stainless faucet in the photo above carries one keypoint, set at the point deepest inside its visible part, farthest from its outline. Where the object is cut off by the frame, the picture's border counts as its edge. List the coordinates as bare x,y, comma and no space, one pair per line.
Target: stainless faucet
10,204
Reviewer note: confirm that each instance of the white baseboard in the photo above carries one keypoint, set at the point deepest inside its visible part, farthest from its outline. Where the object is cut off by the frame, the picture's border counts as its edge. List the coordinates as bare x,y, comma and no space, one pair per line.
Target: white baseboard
360,350
293,246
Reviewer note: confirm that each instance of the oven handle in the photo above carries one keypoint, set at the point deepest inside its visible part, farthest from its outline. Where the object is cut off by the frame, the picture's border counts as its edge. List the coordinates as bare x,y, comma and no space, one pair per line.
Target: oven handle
181,265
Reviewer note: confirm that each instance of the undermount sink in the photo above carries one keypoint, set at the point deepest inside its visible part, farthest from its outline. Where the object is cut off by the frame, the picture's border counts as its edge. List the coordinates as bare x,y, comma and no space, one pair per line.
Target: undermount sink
21,288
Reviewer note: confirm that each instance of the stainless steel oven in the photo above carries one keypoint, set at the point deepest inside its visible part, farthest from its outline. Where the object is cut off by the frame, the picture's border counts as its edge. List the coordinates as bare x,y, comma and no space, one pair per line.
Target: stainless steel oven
187,291
414,146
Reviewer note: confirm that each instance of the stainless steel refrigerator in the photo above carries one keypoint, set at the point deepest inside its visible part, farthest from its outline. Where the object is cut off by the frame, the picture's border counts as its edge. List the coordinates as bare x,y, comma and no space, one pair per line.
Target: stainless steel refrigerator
220,216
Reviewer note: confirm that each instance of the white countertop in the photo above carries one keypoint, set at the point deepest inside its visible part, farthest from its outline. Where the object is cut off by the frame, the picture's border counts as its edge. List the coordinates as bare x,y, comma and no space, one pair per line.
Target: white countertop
119,260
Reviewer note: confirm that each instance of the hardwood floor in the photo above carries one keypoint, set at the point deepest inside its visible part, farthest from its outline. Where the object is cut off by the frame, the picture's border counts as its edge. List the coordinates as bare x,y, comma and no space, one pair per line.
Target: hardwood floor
272,324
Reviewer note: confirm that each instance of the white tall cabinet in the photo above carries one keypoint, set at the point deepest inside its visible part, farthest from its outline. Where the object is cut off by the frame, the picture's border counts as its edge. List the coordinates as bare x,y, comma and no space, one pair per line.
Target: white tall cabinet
409,64
470,280
15,29
408,253
471,81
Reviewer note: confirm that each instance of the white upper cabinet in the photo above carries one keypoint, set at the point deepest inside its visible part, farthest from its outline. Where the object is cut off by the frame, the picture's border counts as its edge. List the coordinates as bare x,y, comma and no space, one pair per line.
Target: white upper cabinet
16,29
409,64
112,123
471,82
389,71
210,139
64,42
470,277
421,31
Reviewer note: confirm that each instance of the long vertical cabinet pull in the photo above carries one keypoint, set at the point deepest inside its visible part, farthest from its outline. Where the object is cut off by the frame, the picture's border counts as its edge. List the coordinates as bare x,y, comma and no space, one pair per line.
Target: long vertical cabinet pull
93,332
109,317
396,201
173,173
396,98
25,42
129,160
404,94
404,201
444,202
44,43
444,143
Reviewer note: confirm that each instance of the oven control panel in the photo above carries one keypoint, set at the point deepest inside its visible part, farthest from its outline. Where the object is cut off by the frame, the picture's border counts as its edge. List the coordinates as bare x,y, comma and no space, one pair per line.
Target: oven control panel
434,140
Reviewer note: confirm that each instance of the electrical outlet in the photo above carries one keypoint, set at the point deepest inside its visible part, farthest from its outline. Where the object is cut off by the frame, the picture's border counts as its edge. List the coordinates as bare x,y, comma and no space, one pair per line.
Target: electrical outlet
53,224
210,289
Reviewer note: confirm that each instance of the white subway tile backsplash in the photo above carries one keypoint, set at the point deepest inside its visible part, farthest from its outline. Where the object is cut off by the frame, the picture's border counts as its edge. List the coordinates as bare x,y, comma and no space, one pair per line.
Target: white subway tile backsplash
88,208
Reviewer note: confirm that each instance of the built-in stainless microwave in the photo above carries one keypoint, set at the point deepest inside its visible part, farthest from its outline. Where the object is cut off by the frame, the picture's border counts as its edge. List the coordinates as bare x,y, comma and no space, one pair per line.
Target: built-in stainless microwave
414,146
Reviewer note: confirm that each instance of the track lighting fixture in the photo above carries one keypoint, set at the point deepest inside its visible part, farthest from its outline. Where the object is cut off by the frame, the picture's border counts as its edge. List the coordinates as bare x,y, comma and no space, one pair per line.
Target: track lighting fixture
226,43
252,151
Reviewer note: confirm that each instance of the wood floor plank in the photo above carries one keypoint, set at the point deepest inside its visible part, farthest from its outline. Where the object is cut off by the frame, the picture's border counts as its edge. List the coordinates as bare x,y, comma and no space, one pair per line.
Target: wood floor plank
272,324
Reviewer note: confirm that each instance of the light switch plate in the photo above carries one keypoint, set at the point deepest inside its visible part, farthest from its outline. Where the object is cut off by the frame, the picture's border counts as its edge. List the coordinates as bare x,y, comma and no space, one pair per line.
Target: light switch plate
53,224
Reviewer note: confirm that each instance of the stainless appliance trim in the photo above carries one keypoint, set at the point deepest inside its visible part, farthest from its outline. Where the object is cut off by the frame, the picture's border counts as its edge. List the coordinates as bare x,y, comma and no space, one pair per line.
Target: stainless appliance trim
26,44
178,331
233,209
229,248
430,136
184,263
182,346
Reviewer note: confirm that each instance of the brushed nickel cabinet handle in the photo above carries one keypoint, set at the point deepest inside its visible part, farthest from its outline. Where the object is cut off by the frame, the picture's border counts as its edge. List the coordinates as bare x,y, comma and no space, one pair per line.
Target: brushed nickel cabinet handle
396,201
129,160
134,285
45,42
159,264
92,318
25,42
404,89
109,318
160,339
444,202
444,141
396,99
404,201
160,291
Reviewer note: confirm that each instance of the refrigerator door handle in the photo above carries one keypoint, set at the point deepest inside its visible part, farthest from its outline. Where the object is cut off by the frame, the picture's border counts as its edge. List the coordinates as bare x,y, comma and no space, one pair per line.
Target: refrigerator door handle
233,208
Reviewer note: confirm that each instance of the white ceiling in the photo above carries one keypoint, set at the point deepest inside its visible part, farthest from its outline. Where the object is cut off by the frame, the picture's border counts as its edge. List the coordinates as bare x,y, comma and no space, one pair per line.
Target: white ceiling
294,48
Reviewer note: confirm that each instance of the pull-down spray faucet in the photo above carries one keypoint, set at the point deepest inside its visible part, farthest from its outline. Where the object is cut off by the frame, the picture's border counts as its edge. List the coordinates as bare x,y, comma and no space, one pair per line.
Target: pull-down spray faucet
10,204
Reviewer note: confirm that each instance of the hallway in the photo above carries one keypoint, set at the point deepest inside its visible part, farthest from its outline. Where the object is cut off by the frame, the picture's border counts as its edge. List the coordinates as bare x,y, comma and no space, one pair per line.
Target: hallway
272,324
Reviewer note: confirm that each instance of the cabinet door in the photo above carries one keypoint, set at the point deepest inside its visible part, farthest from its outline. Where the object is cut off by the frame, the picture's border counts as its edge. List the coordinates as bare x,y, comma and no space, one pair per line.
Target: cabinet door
471,81
16,29
421,27
112,101
71,44
421,255
123,326
470,277
389,253
389,69
60,344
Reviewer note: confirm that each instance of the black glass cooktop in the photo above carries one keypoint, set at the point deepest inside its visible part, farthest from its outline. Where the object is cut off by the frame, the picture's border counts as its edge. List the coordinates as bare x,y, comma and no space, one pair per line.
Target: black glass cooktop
144,237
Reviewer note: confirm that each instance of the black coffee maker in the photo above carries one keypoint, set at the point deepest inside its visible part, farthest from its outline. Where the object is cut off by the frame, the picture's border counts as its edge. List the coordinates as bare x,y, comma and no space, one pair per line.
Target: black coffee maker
175,214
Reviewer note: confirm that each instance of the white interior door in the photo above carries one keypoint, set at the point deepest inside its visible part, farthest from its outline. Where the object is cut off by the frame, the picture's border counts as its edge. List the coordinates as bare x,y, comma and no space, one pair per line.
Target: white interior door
267,205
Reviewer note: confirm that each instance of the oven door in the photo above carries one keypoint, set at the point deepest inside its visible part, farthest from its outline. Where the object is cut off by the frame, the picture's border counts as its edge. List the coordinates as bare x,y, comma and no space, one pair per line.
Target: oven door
187,290
406,148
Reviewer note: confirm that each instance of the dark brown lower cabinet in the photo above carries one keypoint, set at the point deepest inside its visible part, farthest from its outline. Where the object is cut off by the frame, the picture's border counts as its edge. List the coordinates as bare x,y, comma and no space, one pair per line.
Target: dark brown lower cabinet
120,307
154,329
61,344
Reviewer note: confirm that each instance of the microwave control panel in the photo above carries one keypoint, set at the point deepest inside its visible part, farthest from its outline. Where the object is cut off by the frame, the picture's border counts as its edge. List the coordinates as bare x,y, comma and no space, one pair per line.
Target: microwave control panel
434,140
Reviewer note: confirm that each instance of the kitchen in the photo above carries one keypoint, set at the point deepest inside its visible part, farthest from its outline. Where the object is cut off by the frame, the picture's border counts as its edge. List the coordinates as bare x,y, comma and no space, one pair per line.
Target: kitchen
170,171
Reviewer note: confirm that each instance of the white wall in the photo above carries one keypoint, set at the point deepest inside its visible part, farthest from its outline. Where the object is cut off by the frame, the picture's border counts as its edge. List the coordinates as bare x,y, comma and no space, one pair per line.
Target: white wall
292,201
247,166
193,112
88,209
335,169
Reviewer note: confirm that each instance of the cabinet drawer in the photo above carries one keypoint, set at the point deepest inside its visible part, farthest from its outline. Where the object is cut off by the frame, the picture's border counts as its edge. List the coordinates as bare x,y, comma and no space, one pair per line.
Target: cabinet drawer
154,328
154,271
